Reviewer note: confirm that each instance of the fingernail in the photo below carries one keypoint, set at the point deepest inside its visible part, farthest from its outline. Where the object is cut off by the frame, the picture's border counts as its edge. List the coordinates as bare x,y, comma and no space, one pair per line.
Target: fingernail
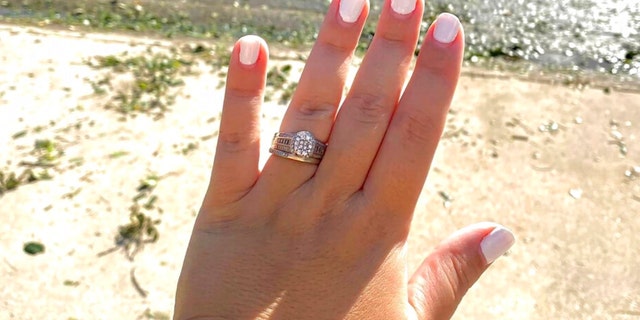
350,10
496,244
447,28
403,6
249,50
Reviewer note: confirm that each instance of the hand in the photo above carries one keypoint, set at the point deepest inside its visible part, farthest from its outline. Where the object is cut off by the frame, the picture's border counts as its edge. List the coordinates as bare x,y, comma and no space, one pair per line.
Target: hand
327,241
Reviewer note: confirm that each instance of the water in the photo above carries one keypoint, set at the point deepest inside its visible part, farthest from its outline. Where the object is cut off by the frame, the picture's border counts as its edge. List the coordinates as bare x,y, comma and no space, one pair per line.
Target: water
599,37
574,34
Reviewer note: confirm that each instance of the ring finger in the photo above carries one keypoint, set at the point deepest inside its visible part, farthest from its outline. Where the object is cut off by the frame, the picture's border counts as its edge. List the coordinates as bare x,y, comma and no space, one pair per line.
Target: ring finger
319,92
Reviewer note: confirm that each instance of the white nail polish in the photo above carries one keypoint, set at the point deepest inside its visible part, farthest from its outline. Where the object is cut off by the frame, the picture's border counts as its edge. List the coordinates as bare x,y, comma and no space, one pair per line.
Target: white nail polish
447,28
350,10
403,6
249,50
496,243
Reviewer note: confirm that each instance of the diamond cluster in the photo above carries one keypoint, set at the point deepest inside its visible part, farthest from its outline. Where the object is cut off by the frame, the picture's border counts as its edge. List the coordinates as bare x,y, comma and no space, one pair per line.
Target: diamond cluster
303,144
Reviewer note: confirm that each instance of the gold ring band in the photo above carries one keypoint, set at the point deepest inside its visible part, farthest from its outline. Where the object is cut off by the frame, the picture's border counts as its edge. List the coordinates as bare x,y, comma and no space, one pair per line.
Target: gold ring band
300,146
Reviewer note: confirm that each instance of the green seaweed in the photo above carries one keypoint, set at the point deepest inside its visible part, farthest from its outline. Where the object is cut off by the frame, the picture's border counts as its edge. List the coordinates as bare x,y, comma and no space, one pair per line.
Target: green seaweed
10,181
33,248
151,90
141,229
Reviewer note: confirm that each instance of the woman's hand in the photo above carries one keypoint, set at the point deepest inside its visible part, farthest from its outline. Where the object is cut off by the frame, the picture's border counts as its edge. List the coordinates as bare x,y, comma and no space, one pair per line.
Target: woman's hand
327,241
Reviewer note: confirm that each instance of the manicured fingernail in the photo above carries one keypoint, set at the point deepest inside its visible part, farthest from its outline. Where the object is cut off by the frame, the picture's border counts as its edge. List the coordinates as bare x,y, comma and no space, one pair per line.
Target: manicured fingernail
447,28
403,6
350,10
496,243
249,50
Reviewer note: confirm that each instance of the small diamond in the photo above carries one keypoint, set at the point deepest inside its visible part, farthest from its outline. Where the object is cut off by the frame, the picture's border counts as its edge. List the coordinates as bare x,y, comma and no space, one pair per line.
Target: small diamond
303,144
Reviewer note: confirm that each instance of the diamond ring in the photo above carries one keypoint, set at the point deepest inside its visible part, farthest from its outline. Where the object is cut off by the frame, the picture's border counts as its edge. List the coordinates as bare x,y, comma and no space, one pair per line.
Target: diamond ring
300,146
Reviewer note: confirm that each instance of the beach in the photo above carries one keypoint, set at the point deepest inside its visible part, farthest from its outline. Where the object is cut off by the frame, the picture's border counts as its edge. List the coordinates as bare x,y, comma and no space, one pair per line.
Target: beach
553,161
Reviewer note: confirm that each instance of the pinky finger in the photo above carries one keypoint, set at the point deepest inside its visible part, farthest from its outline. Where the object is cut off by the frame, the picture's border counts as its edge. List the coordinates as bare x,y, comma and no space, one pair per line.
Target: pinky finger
235,168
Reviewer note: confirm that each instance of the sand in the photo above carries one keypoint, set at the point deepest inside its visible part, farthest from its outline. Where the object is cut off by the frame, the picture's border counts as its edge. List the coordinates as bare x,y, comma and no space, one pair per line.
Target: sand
564,193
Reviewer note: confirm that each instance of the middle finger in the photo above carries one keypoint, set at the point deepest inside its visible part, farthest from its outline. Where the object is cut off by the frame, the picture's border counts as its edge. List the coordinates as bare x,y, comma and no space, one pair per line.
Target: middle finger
365,114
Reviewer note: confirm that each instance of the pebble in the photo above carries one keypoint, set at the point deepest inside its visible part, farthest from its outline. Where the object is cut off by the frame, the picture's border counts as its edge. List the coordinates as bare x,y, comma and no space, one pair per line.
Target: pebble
576,193
617,135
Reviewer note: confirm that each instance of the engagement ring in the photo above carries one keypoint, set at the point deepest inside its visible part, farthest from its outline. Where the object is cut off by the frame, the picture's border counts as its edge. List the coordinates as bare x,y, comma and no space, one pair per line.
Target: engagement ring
300,146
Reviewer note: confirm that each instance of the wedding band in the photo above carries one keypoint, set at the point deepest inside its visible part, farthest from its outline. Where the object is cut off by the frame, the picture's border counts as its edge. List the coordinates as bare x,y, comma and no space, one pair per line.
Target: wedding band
300,146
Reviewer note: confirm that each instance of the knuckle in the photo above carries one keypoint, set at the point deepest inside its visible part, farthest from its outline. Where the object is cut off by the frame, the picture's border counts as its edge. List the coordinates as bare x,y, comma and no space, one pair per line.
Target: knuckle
368,108
456,275
234,142
244,93
309,110
397,41
394,39
338,45
419,128
435,65
333,200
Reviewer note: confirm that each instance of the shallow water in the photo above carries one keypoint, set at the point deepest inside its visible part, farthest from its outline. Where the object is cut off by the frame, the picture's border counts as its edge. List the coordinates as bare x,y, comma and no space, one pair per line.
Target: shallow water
593,36
596,35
